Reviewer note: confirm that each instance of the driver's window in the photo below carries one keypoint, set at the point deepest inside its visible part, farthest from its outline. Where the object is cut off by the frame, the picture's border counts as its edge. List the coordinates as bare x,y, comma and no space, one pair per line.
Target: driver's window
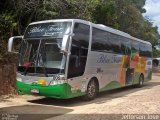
79,50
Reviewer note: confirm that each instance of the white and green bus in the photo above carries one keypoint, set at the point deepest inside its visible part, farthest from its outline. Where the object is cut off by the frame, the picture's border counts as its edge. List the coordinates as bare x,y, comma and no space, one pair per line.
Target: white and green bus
67,58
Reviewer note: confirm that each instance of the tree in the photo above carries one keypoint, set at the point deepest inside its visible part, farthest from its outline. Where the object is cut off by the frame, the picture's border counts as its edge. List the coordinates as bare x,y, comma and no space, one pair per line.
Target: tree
125,15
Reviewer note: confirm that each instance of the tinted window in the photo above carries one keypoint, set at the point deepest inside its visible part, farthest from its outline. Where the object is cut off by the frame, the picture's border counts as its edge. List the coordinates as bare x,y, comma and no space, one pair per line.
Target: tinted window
79,50
100,40
135,46
115,43
125,45
149,49
145,50
142,49
105,41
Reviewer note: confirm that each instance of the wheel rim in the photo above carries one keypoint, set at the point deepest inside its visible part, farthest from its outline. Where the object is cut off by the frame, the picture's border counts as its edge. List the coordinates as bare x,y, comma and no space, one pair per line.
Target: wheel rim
91,89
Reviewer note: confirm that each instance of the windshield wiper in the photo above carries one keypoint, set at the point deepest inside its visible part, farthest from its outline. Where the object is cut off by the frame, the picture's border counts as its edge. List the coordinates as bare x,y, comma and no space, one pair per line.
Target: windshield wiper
41,55
36,58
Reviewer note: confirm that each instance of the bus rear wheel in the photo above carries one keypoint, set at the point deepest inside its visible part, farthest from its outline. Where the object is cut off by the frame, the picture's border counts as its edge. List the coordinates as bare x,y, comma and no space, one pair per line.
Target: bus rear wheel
92,90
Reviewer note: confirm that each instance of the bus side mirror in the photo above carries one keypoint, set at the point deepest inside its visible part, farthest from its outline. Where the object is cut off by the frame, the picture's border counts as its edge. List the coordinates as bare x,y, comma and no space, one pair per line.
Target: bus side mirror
65,43
14,44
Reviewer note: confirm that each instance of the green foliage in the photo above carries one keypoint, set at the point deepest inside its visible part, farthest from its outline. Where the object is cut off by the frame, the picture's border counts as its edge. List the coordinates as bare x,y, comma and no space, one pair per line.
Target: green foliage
139,5
8,26
156,53
126,15
106,14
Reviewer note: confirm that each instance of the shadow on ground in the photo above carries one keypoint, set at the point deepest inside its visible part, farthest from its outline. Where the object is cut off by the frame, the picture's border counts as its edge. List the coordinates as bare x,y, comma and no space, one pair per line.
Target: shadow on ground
32,112
102,97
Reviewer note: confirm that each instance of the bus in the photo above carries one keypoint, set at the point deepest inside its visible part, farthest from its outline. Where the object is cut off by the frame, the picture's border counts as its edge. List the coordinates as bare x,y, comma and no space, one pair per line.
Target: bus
66,58
156,62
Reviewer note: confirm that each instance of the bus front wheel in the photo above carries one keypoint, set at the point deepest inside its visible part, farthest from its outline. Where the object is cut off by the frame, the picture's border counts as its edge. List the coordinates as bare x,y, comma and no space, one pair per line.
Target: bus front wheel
92,90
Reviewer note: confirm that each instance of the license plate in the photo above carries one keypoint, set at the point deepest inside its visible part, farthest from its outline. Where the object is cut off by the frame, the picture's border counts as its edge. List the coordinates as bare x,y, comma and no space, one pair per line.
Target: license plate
34,91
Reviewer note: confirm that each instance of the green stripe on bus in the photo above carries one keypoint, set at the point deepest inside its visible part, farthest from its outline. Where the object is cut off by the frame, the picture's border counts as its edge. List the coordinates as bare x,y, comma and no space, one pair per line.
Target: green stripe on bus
111,85
62,91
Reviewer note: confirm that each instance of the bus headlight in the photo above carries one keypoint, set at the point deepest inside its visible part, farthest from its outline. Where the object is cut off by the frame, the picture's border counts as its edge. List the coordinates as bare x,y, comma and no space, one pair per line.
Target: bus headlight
19,79
57,79
56,82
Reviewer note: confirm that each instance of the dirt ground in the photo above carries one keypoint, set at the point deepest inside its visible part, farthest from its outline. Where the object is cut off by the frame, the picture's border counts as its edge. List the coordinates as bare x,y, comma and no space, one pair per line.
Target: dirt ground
111,105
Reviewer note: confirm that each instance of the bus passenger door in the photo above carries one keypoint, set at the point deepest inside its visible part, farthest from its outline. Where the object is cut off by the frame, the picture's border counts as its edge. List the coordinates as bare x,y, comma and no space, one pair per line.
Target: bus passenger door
129,76
78,57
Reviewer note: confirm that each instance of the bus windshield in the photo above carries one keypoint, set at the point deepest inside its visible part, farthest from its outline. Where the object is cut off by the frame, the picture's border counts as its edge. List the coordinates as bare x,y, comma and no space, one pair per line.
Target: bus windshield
41,49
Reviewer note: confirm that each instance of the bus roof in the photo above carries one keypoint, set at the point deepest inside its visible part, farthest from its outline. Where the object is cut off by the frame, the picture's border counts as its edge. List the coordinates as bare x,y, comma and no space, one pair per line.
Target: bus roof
100,26
55,20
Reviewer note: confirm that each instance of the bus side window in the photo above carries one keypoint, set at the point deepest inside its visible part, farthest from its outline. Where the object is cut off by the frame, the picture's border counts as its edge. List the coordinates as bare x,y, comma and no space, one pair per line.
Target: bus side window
149,51
100,41
125,46
115,43
145,50
135,46
142,49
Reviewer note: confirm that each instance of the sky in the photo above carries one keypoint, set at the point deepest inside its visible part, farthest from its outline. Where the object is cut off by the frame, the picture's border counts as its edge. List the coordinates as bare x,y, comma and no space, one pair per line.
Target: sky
153,12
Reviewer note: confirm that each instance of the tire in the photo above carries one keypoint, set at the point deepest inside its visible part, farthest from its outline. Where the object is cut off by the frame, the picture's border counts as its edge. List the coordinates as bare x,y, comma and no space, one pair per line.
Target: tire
92,90
141,82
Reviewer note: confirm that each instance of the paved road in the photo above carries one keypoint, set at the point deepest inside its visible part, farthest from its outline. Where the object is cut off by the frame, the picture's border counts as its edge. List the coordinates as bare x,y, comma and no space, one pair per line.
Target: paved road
145,100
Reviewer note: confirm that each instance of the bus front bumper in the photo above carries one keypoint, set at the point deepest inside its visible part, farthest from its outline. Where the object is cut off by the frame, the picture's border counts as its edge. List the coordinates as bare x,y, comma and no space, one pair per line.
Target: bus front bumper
56,91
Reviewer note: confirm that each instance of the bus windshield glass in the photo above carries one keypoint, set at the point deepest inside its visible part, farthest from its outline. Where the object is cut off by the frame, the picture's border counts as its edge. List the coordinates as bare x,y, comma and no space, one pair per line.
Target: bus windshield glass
40,50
